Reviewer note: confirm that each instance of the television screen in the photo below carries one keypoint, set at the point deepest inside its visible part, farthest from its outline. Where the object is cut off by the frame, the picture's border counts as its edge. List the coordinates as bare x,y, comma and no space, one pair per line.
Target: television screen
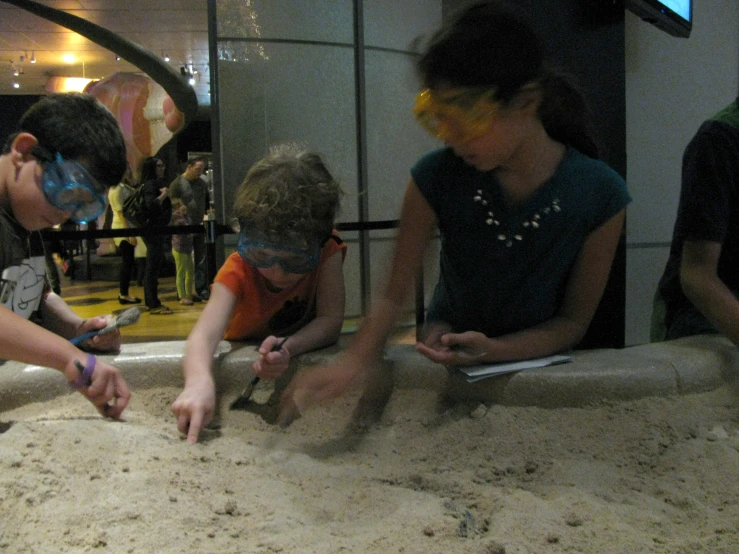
672,16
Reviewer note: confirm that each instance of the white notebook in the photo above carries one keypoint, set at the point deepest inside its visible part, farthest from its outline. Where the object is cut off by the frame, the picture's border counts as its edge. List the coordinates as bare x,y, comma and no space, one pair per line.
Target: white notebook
479,372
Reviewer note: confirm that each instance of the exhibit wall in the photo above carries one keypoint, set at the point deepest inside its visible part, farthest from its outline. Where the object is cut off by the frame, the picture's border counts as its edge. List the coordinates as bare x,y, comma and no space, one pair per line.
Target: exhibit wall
337,77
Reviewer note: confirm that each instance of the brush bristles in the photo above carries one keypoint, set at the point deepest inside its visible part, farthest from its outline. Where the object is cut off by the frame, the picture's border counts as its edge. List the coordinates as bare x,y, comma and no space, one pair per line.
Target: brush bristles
126,317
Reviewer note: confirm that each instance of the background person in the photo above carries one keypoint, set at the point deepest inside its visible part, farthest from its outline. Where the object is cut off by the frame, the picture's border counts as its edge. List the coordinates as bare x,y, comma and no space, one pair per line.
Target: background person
126,246
159,207
193,191
182,253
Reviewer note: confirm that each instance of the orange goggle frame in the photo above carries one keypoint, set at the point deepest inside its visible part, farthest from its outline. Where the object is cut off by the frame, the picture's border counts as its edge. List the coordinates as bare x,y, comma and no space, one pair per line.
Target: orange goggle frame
460,113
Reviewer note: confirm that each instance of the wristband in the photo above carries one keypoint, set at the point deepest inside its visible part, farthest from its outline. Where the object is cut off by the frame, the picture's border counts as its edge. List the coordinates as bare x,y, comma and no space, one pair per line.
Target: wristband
85,377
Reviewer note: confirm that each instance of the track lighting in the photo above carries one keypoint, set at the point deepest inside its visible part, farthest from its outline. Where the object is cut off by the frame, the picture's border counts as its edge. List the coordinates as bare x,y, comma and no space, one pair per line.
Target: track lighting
166,58
117,58
16,84
33,57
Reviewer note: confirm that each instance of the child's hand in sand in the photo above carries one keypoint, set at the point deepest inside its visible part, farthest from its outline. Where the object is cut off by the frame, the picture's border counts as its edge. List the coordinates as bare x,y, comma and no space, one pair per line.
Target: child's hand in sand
194,408
271,363
107,390
317,384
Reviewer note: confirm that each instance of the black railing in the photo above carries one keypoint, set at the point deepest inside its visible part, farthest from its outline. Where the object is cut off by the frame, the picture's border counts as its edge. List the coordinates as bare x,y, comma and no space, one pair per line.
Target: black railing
212,230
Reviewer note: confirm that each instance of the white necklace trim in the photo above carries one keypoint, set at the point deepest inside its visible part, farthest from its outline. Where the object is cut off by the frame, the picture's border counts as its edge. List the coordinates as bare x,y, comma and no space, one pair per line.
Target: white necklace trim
529,225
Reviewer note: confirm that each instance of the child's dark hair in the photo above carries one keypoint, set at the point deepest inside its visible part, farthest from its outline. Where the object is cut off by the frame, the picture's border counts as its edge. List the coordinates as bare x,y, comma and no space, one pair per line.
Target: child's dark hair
489,46
79,127
149,169
289,193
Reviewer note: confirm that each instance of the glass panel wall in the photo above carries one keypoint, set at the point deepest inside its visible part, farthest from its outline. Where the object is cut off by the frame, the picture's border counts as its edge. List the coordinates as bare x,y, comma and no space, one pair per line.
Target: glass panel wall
337,77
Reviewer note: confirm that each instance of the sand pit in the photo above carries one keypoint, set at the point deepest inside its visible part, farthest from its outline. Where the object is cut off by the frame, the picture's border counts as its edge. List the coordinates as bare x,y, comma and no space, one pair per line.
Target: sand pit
649,475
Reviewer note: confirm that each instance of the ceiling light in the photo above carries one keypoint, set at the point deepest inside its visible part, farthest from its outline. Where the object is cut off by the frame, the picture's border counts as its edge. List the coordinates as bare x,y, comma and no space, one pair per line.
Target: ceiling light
166,58
117,58
33,57
69,58
183,71
191,80
16,72
16,84
67,84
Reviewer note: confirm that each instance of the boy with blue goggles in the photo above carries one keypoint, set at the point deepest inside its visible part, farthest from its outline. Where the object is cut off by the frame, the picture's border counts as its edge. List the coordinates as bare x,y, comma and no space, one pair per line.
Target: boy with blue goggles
68,186
39,189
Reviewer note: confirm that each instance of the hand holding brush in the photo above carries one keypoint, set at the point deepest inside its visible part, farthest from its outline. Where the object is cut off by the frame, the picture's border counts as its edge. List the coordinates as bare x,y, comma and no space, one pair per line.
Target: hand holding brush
243,399
126,317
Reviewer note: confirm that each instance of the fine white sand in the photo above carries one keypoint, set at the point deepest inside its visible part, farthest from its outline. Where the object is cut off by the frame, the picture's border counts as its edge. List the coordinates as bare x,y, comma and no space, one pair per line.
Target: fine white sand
653,475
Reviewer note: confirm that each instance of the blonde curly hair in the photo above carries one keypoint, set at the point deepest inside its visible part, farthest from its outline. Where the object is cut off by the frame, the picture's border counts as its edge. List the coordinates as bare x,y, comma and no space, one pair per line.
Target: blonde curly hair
289,195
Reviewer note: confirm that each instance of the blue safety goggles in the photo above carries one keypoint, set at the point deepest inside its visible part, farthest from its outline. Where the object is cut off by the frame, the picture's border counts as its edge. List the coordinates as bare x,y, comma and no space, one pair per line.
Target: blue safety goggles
69,187
258,251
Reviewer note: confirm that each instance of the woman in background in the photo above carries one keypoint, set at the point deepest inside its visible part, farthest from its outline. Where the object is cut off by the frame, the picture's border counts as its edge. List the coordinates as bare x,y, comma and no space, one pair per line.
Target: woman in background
117,196
159,207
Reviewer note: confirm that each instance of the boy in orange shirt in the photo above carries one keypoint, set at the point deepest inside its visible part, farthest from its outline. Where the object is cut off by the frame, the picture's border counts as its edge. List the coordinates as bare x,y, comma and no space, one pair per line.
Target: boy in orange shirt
286,280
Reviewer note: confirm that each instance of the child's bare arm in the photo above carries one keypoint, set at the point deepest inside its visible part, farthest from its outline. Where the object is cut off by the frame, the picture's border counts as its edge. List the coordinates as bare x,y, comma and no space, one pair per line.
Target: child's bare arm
584,290
316,384
330,300
59,318
703,287
208,331
26,342
321,331
194,407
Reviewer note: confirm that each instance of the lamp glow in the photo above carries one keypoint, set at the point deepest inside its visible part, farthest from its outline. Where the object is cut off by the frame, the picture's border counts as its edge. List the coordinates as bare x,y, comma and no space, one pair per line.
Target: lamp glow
67,84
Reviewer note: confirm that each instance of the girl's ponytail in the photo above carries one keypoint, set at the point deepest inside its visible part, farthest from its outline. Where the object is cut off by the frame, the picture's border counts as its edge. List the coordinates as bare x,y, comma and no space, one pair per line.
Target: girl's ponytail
565,114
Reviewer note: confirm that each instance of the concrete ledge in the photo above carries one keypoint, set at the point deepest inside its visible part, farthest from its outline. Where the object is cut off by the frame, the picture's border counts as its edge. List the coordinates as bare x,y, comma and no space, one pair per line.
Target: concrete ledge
701,362
694,364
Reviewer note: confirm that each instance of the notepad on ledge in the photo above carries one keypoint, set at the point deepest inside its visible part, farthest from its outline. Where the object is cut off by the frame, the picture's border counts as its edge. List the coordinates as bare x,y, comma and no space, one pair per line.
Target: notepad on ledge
478,372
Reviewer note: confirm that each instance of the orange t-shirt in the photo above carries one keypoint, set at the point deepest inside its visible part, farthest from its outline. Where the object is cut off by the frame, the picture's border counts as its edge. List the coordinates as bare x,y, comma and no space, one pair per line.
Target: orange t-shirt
260,312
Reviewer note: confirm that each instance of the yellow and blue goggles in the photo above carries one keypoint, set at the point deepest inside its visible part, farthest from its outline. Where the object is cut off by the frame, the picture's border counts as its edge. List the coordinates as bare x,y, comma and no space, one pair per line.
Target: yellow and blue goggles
463,114
257,250
69,187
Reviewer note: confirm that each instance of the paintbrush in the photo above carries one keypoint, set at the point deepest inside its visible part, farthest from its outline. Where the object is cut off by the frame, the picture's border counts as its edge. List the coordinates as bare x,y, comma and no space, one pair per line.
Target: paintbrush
126,317
243,399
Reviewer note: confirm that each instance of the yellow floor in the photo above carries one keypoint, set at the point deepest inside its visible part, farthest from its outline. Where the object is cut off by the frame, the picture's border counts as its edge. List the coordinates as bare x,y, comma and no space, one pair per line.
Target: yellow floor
91,298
